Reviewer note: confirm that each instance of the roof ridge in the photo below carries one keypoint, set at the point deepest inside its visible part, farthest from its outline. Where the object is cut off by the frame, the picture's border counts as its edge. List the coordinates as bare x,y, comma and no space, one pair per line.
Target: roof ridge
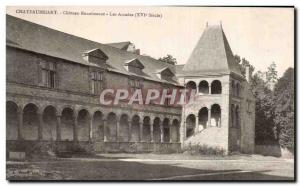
224,47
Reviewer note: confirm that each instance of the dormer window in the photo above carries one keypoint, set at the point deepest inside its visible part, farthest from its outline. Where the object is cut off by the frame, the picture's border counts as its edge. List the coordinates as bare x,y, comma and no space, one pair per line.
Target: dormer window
134,66
165,74
95,56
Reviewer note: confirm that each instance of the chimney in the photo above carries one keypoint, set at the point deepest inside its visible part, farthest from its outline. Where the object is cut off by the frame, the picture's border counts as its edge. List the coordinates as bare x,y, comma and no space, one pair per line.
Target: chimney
248,73
137,51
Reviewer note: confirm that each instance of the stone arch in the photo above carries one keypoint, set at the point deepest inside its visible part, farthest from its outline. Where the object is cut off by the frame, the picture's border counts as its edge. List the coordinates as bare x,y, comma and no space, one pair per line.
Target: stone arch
50,123
232,114
62,108
124,128
12,121
30,122
98,127
111,128
83,124
67,124
191,85
203,87
135,128
216,87
215,115
156,129
190,125
175,135
147,129
203,118
166,130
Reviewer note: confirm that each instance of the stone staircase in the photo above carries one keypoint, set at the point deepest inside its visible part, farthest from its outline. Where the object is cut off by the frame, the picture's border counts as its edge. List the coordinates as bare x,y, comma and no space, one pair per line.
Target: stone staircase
211,136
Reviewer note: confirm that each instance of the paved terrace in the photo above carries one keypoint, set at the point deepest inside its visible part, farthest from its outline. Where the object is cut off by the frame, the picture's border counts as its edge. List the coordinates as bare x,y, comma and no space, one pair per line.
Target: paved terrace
154,167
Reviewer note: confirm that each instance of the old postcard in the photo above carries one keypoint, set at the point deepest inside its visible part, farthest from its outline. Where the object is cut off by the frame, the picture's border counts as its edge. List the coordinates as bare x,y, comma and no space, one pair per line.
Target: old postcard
150,93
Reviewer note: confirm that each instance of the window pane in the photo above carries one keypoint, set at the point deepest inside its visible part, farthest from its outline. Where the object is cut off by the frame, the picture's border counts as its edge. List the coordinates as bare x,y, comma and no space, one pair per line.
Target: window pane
93,75
52,66
99,76
93,87
99,86
52,79
43,65
44,77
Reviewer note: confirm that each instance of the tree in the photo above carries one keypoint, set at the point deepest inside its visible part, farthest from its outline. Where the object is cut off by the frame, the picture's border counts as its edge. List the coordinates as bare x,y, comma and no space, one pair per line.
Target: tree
274,120
243,63
264,125
271,75
168,59
284,109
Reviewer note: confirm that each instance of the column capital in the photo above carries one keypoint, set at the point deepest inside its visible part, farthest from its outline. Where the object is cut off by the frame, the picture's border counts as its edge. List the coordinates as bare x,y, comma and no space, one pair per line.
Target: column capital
20,110
39,112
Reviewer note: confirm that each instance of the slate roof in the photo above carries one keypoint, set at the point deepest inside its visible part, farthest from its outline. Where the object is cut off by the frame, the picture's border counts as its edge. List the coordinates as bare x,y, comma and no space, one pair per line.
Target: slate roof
40,39
121,45
178,69
212,54
135,62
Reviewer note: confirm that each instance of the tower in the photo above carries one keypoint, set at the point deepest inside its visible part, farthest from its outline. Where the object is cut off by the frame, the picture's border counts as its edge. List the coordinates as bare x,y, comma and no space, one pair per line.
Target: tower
214,117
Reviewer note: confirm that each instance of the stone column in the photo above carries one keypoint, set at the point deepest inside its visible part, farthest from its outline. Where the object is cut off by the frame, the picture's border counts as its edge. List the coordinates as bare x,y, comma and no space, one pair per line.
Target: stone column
75,129
129,131
40,127
183,130
20,124
151,133
118,131
161,133
209,89
209,117
91,129
197,124
104,130
220,118
58,128
170,131
141,131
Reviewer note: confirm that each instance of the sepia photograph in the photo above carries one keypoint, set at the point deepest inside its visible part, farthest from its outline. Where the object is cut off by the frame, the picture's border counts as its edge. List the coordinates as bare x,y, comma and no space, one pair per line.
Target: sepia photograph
150,93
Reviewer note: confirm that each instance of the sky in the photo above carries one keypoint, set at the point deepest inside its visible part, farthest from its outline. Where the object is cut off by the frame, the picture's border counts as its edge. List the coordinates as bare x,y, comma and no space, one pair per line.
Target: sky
261,35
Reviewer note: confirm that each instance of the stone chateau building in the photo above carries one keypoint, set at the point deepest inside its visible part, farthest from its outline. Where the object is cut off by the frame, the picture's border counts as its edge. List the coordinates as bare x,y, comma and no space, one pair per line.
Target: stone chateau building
54,80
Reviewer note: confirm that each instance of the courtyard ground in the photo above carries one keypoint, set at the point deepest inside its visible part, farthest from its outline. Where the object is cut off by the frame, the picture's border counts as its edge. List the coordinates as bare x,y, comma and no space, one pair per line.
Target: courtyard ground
153,167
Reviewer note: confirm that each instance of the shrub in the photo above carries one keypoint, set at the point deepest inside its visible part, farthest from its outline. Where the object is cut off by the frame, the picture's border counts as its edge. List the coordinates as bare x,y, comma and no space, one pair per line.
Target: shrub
204,150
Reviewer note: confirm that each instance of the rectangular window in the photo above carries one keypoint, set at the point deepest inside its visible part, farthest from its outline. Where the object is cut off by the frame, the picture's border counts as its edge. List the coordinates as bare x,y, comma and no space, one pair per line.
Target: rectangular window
52,79
48,74
96,82
135,84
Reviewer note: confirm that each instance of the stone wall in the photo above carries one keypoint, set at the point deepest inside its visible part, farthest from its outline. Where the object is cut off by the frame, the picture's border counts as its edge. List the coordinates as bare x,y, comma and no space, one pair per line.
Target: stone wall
31,147
273,150
248,121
